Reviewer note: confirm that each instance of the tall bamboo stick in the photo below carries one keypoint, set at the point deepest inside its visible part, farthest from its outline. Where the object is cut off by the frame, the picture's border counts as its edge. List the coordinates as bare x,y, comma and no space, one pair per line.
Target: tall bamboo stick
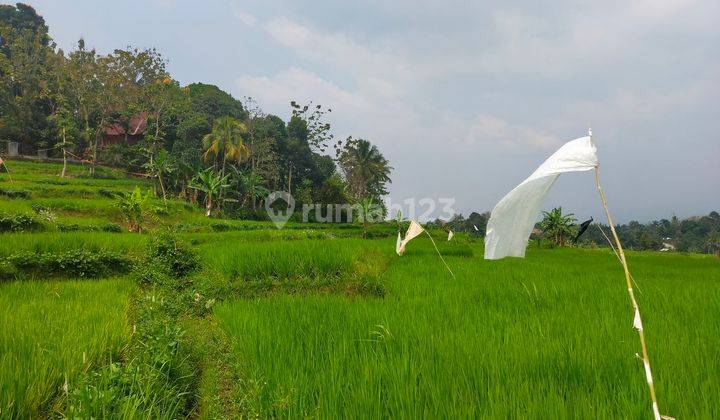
637,323
439,254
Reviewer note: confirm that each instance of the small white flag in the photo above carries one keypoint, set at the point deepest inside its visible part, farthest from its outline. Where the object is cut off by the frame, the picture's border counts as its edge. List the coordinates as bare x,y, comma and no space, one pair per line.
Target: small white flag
450,235
637,322
413,231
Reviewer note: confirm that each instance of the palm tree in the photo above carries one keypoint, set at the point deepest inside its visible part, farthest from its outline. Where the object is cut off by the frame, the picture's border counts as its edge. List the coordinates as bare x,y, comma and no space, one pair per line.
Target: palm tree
251,187
213,185
558,226
226,140
366,169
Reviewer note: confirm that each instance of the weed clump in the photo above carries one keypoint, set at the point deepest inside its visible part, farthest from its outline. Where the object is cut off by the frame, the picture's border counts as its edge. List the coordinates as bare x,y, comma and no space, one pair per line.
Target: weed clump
74,263
19,222
172,255
15,194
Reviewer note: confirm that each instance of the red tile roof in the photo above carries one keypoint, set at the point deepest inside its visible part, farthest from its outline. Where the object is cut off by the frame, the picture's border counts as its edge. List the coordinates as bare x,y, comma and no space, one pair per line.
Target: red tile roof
136,126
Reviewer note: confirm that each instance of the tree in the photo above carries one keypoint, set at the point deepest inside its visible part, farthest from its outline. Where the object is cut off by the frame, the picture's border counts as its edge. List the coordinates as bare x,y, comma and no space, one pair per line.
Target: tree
160,166
319,135
186,150
366,170
226,141
250,187
94,88
141,85
26,60
264,134
558,226
66,128
212,184
212,103
295,152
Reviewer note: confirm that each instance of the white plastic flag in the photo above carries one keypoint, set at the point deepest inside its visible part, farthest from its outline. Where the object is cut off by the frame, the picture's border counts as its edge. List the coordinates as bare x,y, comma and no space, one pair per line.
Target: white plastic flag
450,235
413,231
513,218
637,322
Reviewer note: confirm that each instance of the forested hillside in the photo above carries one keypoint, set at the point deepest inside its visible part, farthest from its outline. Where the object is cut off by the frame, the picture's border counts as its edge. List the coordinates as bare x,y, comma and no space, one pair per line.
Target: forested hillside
124,109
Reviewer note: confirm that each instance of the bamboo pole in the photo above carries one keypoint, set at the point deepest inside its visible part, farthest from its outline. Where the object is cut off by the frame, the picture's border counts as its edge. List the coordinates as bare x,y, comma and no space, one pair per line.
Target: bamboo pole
637,323
439,254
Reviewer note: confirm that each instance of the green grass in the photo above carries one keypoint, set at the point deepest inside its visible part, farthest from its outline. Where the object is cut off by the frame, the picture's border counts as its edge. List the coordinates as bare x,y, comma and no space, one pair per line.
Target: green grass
312,320
53,331
56,242
284,259
549,336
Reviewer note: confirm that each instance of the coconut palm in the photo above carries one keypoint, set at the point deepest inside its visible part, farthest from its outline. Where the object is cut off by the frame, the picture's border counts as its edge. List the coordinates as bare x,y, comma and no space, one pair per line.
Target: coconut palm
366,169
212,184
558,226
226,141
251,187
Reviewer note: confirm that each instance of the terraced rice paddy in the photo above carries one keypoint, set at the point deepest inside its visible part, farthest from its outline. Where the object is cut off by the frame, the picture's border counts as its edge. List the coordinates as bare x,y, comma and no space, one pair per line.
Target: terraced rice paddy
316,321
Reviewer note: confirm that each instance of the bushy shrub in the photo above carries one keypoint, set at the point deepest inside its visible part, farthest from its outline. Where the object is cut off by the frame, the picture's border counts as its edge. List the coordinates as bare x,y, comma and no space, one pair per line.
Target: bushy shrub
7,270
172,254
133,206
112,228
161,211
102,192
220,227
53,181
376,234
68,227
19,222
22,194
101,173
74,263
149,274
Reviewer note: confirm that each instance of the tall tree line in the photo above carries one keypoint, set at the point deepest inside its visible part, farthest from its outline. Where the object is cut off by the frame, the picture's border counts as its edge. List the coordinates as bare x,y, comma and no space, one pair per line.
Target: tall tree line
196,142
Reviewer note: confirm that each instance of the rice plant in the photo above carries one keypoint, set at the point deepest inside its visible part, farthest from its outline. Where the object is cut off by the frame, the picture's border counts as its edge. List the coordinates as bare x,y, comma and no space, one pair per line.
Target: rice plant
548,336
52,331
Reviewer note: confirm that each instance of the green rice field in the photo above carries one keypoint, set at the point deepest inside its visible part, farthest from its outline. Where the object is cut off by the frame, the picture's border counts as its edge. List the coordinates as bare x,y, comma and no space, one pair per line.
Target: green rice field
318,321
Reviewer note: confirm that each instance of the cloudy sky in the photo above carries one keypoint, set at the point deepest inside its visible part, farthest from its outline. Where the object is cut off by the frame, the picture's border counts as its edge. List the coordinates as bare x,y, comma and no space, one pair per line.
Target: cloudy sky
465,98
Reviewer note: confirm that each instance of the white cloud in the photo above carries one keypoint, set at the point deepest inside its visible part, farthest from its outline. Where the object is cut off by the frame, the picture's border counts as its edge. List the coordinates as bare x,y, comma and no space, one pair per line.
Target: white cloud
489,130
244,17
374,67
529,82
276,91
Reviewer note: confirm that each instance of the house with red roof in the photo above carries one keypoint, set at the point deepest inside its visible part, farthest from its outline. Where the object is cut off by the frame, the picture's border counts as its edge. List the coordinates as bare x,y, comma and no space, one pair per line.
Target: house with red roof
118,134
